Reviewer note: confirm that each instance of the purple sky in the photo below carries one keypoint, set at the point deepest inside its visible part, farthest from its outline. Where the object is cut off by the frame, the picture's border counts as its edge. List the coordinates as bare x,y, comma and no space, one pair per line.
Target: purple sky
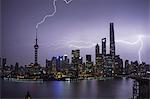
80,24
0,31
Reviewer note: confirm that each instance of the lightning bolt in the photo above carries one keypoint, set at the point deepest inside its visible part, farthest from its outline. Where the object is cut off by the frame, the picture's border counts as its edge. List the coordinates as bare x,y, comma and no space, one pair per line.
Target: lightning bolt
52,14
139,40
74,43
83,44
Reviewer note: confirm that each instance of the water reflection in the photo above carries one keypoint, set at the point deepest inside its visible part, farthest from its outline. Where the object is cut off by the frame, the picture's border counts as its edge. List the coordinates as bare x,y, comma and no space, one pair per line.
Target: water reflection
85,89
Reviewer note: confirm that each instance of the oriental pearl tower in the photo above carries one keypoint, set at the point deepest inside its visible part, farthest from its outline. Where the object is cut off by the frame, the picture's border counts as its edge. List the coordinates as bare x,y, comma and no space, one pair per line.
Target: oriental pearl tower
36,46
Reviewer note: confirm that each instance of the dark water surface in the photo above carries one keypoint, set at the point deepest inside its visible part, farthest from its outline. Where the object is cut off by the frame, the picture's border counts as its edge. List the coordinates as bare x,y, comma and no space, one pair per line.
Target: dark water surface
84,89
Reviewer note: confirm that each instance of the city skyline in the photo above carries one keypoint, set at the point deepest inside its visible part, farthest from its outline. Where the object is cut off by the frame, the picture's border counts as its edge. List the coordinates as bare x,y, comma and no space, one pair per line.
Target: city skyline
90,48
83,40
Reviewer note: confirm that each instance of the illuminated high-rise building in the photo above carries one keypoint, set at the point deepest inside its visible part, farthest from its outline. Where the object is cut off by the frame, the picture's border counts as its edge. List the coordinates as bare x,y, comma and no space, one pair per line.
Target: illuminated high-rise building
66,59
112,40
127,67
4,61
98,60
103,46
97,54
88,58
118,65
66,62
80,60
97,50
48,63
89,64
59,63
108,61
75,58
76,61
54,64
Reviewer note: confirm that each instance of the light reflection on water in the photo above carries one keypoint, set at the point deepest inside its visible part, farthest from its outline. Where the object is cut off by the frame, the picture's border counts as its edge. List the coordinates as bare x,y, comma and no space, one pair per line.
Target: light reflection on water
85,89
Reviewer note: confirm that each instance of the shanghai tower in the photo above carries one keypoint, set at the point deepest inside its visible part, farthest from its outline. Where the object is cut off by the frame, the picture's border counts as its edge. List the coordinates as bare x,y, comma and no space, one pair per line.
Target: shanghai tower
112,40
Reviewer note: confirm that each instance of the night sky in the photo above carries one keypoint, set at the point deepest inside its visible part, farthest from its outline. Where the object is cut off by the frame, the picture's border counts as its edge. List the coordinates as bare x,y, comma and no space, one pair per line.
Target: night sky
81,24
0,31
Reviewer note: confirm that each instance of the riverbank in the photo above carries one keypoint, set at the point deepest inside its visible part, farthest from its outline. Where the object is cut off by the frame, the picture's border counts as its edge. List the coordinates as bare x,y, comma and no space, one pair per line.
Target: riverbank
66,79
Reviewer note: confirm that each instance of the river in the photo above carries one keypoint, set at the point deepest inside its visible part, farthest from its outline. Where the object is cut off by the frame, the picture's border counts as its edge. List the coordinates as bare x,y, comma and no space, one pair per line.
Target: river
119,88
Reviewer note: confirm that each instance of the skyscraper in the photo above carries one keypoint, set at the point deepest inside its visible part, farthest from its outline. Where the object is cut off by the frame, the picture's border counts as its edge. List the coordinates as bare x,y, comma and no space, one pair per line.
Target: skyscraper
4,62
75,58
76,61
59,62
54,64
117,63
97,50
88,58
48,63
118,69
98,59
89,64
36,51
112,40
97,54
66,62
66,59
103,46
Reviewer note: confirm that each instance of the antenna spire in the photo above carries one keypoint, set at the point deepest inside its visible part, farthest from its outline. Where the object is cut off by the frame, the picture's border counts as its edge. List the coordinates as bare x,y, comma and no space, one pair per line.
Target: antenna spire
36,50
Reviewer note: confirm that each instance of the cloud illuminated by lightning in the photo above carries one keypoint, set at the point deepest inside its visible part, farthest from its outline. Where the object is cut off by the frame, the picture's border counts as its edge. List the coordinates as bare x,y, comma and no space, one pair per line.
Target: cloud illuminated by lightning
80,44
69,44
